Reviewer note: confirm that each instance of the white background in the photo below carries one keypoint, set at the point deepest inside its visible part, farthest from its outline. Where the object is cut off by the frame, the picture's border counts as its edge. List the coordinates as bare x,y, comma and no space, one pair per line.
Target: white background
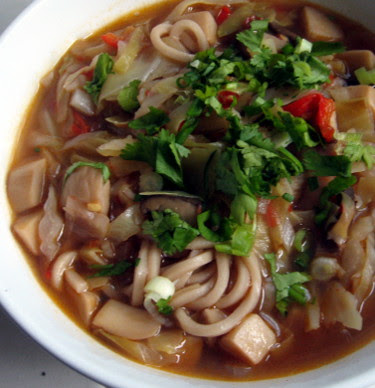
23,363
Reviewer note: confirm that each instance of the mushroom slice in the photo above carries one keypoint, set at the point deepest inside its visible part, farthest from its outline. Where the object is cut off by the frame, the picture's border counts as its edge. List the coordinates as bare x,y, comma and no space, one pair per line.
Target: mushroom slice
126,321
184,204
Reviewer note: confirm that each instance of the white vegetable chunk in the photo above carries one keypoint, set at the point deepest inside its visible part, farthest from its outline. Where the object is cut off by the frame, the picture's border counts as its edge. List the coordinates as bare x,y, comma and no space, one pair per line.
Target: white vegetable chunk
26,185
319,27
251,340
26,228
86,304
126,321
341,306
87,184
355,59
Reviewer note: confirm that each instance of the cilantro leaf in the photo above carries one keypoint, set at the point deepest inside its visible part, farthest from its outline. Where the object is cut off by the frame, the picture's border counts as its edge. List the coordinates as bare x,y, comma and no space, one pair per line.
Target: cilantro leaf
335,187
168,157
253,37
161,152
102,69
221,228
99,165
191,122
288,286
151,122
241,242
320,49
144,150
327,165
355,150
301,132
115,269
169,231
164,307
127,98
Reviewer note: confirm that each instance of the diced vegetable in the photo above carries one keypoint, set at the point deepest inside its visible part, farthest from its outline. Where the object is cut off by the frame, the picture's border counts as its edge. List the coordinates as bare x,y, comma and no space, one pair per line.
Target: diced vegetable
223,14
319,27
356,59
125,321
251,340
26,228
318,109
365,77
111,39
26,185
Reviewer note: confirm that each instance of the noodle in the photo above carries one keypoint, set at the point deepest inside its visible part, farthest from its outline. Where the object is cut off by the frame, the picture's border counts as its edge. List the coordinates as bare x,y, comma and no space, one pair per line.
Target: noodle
246,306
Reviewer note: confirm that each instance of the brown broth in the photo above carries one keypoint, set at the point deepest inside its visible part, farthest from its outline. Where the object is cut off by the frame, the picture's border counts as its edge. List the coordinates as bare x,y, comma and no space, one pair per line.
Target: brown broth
305,351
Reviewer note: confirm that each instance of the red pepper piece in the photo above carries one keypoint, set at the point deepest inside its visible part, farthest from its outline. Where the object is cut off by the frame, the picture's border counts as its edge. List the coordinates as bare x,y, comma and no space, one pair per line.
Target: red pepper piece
272,218
111,39
89,74
316,109
223,14
326,108
226,98
80,124
305,107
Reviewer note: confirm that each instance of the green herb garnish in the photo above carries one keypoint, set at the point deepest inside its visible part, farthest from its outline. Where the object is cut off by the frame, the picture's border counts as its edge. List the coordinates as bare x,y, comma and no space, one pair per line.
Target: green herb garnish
169,231
98,165
289,286
103,68
127,98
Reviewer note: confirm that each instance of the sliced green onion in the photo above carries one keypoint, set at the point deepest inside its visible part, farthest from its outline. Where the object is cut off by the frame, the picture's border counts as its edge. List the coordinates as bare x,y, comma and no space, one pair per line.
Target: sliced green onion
365,77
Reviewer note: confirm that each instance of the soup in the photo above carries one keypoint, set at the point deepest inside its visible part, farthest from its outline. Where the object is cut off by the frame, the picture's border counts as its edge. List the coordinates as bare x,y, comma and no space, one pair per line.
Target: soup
195,187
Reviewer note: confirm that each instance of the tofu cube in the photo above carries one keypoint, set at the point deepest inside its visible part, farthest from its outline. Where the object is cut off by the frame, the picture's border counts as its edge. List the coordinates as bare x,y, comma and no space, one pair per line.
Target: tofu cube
26,185
27,230
319,27
251,340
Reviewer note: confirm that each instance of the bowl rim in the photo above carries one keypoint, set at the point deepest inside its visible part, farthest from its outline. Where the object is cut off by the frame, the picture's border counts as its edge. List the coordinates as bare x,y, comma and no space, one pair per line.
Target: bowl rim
145,376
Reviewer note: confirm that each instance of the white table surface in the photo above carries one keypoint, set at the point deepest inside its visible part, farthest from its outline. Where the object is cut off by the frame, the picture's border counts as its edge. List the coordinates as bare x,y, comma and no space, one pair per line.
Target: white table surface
23,363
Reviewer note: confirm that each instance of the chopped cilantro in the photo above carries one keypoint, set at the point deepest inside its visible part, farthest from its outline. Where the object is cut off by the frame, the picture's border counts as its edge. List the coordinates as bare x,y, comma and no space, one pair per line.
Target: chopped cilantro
241,241
151,122
335,187
253,37
327,165
115,269
161,152
99,165
288,286
169,231
320,49
127,98
164,307
102,69
288,197
220,229
355,150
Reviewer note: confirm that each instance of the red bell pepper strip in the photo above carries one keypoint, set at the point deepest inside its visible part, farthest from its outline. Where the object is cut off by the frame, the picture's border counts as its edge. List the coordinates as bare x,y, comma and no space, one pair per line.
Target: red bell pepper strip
80,124
226,98
223,14
326,108
272,218
111,39
316,109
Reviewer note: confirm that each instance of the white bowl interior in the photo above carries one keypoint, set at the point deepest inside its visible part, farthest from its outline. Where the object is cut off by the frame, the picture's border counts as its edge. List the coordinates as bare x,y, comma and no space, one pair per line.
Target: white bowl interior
53,26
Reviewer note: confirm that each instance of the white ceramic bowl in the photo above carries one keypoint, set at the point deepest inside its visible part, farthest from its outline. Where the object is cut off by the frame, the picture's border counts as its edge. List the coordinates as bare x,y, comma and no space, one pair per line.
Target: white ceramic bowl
28,49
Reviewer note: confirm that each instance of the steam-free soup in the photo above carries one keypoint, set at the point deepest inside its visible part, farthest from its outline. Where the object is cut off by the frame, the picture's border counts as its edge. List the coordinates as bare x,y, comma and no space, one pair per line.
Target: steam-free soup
195,186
